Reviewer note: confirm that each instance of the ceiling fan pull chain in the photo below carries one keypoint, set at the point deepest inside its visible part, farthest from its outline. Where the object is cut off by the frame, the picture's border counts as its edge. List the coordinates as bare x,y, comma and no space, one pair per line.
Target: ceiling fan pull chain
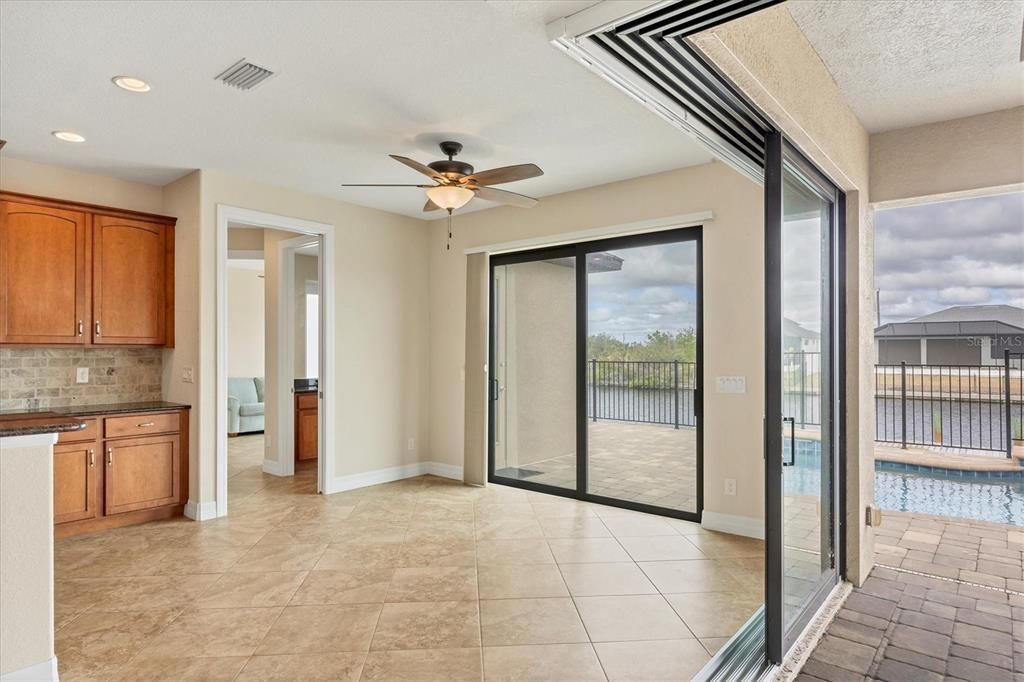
449,246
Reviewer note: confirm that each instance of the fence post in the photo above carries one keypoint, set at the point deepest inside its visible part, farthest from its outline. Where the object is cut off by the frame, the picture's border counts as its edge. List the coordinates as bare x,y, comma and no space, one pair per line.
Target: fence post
675,391
593,388
903,400
1009,408
803,388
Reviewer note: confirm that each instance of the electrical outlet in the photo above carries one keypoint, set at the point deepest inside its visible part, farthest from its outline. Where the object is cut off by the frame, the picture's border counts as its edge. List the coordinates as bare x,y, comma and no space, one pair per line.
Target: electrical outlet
730,486
412,444
82,375
187,375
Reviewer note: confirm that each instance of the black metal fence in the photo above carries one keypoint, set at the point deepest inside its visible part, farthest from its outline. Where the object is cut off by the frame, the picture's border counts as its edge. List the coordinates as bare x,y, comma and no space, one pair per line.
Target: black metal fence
955,406
649,392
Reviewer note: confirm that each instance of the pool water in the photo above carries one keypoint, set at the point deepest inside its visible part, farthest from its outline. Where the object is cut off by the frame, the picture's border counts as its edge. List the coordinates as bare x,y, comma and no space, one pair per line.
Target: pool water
964,496
986,499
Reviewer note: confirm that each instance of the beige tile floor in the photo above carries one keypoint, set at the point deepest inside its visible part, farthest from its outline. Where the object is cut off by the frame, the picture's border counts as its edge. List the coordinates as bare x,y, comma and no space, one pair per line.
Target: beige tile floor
420,579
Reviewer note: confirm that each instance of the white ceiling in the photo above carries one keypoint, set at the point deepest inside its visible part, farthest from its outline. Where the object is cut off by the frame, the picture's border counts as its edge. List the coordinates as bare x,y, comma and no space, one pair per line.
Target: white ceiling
356,80
902,63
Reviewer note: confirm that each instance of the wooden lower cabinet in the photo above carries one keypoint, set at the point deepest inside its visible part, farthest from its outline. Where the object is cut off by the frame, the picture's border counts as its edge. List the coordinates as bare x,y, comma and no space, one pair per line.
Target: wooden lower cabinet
307,427
142,473
74,482
113,479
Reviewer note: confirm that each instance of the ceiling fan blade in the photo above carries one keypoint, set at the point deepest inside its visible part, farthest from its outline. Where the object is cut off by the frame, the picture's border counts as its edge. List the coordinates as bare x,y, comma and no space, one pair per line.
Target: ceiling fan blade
430,206
497,176
502,196
350,184
417,166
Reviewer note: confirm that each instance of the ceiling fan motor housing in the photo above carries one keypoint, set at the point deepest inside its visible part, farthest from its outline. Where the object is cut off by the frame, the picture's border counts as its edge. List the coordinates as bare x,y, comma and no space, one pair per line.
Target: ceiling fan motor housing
451,167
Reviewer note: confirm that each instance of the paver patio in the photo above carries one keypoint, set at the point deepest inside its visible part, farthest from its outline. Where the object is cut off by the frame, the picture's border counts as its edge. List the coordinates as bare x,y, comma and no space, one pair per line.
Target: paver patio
648,463
944,601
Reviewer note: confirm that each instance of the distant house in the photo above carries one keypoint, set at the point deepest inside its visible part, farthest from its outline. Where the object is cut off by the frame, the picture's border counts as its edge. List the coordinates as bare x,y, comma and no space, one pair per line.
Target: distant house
797,338
961,335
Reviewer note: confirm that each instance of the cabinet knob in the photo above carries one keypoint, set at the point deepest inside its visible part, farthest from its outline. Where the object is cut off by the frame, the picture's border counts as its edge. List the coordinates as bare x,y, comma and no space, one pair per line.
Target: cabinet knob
110,456
92,458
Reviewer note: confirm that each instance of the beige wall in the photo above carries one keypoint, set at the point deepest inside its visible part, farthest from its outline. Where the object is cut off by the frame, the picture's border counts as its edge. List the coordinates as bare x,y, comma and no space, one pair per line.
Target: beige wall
537,363
245,239
973,153
245,321
734,320
181,199
770,59
382,340
26,552
306,270
73,185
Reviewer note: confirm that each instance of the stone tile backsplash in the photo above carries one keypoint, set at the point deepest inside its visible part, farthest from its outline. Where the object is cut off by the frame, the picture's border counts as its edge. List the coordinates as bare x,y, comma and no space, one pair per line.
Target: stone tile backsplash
41,378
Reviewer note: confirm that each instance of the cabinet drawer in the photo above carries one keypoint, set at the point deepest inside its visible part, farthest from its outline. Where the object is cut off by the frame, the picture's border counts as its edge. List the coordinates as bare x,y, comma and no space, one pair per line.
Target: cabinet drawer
90,432
142,424
305,401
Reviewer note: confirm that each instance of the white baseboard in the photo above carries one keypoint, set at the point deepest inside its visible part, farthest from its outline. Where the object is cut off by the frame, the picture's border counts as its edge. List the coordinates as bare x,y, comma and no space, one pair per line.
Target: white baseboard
201,511
377,476
275,468
40,672
733,524
452,471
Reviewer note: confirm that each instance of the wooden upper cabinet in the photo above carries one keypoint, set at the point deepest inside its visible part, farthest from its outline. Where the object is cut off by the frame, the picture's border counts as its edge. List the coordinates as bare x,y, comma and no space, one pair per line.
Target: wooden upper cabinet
128,281
43,274
80,274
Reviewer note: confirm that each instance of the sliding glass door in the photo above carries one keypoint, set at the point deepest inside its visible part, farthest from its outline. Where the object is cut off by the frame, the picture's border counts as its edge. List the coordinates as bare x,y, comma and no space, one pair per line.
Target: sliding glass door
596,380
802,372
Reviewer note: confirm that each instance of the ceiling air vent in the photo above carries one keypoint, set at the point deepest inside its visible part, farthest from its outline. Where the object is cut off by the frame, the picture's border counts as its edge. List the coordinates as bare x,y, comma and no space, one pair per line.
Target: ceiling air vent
244,75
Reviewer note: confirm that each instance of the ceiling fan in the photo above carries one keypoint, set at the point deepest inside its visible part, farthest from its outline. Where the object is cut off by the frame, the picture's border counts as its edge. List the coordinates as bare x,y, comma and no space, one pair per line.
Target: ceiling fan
456,183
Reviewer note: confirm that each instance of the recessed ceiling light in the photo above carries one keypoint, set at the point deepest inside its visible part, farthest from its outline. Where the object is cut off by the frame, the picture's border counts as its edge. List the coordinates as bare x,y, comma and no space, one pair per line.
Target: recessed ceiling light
68,136
131,84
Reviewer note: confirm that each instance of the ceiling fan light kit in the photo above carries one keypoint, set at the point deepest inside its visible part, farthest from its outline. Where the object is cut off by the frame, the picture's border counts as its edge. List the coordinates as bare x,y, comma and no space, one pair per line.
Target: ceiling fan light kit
457,183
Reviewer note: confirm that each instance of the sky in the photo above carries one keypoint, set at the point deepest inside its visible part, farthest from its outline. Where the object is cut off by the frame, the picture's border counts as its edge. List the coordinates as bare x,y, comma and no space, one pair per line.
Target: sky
654,290
927,258
933,256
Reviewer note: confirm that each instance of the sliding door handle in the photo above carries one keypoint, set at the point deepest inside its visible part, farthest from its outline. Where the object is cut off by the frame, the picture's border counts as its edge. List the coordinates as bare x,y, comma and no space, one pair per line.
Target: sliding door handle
792,441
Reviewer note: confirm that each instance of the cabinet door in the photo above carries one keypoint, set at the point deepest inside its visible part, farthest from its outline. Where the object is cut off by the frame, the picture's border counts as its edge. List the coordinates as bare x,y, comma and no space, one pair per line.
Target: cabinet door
129,281
306,430
142,473
74,482
43,274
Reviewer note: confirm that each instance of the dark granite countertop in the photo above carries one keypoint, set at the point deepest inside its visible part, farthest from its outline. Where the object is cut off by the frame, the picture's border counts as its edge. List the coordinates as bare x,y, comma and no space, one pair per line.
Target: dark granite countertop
40,422
309,389
93,410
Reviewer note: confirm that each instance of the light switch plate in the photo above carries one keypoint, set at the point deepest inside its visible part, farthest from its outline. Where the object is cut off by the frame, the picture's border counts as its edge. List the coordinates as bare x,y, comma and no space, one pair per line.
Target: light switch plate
82,375
187,375
730,486
737,385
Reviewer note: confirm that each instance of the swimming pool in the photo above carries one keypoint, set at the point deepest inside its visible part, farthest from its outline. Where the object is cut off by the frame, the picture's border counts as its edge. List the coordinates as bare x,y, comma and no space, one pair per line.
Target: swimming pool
898,488
986,499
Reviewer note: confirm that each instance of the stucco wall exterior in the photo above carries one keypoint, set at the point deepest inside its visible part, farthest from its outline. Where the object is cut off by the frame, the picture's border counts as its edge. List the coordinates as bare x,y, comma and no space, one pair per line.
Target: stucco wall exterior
965,154
767,56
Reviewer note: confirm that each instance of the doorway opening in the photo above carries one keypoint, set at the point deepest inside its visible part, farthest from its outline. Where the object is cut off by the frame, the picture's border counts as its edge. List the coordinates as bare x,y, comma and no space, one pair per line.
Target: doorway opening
597,356
274,345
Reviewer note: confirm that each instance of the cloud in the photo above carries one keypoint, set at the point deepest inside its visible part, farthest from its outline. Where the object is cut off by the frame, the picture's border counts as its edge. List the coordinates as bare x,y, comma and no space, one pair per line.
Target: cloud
965,252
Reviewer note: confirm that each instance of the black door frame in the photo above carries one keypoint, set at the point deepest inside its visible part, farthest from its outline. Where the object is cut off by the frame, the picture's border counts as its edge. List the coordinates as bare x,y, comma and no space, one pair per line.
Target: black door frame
782,156
579,252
